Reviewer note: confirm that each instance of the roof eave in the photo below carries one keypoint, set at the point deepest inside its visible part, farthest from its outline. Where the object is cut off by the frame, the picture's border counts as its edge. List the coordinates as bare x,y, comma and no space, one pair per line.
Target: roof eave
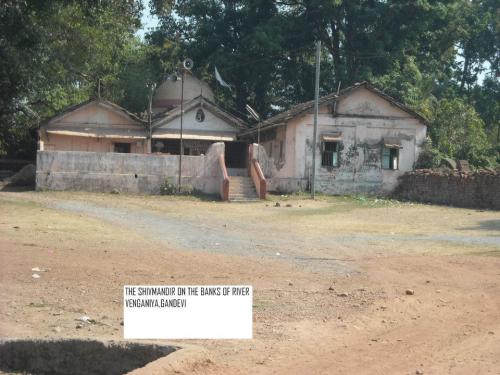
176,112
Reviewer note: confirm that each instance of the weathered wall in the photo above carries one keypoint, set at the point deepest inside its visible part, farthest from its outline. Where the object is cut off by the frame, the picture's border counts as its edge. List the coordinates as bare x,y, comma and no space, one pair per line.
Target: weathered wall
93,127
56,142
212,125
479,190
133,173
363,119
169,92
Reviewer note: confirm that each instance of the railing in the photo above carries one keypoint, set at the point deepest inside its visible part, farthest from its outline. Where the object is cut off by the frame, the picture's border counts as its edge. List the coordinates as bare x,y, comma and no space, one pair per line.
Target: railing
258,178
224,183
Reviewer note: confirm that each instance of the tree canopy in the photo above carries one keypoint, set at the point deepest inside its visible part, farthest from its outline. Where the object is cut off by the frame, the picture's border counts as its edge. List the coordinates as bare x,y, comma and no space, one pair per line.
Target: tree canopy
440,57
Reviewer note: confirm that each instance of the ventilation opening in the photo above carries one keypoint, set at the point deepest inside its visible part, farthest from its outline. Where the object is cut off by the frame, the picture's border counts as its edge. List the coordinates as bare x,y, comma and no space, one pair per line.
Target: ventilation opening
77,357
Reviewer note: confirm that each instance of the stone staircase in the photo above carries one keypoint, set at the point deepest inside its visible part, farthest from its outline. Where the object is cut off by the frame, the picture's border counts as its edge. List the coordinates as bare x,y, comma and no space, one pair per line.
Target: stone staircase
242,189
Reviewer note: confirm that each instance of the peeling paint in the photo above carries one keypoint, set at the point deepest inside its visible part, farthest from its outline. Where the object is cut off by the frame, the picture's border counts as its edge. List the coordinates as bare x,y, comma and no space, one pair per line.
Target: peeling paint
360,170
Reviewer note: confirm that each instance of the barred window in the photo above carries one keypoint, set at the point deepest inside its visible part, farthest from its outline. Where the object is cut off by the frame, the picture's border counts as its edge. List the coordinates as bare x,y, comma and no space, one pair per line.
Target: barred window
390,158
330,154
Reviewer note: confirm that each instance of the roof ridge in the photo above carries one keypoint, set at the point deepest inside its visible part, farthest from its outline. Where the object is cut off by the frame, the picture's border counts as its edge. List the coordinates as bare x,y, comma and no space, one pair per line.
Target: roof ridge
304,106
74,107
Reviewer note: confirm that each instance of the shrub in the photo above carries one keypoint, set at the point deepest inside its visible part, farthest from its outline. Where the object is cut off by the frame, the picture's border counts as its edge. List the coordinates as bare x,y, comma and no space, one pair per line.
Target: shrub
187,189
168,188
429,157
458,132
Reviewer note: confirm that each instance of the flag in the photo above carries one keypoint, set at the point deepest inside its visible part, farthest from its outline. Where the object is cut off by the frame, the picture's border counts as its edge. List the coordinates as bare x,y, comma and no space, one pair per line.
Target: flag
220,80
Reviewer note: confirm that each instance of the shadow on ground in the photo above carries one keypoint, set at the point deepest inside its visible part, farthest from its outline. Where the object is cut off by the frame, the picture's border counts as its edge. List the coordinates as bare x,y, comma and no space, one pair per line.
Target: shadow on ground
58,357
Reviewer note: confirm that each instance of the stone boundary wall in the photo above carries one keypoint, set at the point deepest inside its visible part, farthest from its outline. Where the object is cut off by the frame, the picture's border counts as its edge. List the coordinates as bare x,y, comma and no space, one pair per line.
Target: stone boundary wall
476,190
131,173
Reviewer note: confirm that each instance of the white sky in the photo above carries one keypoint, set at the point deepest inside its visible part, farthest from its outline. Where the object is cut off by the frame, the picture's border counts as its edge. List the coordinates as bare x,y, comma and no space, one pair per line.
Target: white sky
148,21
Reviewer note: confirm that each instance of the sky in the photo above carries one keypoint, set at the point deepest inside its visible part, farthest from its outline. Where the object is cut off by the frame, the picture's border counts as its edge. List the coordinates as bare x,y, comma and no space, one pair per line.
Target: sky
148,21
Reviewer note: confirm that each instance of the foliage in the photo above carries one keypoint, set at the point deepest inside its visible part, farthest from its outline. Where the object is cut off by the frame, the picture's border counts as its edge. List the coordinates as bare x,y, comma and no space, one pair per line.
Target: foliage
187,190
440,57
430,156
458,132
486,99
168,187
53,54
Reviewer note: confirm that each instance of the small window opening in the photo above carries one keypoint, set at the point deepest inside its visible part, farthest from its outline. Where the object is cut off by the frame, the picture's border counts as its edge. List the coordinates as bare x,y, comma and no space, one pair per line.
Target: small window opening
282,150
390,158
122,148
330,154
200,115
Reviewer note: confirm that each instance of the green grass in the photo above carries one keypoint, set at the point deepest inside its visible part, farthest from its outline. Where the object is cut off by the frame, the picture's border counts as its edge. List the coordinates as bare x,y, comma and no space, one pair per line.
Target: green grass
336,204
491,253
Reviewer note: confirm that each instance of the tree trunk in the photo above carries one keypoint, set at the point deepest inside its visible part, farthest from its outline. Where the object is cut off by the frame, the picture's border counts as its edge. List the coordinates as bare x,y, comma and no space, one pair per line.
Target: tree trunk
465,70
335,49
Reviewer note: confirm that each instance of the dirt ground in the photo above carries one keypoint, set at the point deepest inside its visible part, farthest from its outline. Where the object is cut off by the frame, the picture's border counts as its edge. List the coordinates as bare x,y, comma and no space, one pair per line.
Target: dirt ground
329,277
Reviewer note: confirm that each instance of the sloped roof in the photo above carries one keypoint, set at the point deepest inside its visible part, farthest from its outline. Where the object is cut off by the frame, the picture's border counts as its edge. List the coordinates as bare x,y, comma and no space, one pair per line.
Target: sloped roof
283,117
171,89
166,117
379,92
112,106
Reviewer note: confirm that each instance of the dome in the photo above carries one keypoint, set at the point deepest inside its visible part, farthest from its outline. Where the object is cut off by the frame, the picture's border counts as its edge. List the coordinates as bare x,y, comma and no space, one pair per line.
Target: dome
168,94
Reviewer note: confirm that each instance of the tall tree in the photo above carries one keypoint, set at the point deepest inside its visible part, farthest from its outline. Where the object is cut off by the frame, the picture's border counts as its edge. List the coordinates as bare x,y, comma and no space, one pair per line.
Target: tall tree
53,54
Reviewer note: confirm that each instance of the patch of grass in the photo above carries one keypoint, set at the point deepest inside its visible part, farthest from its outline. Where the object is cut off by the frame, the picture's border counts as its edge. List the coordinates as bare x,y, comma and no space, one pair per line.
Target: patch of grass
38,304
335,203
194,197
19,202
490,253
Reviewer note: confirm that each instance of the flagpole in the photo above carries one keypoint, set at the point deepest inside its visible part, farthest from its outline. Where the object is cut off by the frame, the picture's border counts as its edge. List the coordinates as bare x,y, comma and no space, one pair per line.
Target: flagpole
258,142
315,130
181,151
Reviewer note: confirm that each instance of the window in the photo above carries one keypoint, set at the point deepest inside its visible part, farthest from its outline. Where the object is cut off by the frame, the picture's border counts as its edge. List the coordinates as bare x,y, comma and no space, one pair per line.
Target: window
282,150
390,158
122,147
200,115
330,154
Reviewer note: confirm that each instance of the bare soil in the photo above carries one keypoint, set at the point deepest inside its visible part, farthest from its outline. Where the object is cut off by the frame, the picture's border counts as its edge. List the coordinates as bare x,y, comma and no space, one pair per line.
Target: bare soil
329,276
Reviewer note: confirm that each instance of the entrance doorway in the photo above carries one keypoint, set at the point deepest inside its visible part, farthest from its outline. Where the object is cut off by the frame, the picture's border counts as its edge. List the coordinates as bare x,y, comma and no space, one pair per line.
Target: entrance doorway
236,154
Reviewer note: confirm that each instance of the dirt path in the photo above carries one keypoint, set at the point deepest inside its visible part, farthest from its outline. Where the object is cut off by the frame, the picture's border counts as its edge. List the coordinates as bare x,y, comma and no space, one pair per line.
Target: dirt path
333,301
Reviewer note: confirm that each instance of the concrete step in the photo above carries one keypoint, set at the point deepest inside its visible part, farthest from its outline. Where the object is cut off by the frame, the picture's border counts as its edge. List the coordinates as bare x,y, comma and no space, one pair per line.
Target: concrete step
237,195
242,192
244,200
241,182
237,172
242,189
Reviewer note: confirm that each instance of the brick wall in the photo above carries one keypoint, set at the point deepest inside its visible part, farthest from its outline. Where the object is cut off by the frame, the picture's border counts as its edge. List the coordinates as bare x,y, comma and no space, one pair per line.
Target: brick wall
477,190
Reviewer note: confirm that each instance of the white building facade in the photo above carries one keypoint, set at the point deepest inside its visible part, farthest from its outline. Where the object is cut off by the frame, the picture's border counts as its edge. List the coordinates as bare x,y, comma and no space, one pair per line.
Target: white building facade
365,141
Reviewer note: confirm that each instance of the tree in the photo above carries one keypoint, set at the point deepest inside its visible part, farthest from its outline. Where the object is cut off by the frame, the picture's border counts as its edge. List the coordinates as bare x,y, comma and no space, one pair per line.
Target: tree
241,38
478,41
53,53
458,132
486,98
